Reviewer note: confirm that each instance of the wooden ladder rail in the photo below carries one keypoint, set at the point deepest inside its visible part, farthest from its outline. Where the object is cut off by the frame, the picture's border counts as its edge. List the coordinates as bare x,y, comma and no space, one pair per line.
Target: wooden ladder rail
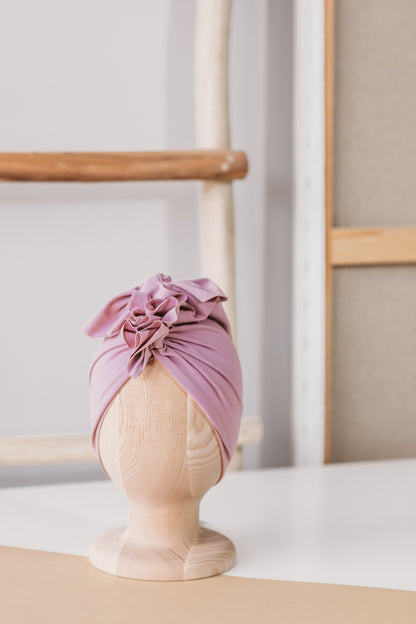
212,164
215,164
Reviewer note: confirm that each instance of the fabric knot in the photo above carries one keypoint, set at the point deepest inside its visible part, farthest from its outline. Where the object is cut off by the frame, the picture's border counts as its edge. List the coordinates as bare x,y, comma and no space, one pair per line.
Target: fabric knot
144,315
184,326
146,326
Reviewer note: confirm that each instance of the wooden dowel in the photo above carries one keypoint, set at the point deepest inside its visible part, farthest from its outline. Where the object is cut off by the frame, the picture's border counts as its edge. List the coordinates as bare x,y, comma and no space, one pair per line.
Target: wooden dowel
57,449
46,450
122,166
213,131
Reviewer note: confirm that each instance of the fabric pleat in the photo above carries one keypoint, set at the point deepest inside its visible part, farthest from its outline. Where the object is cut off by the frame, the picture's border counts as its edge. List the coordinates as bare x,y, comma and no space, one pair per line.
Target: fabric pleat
183,325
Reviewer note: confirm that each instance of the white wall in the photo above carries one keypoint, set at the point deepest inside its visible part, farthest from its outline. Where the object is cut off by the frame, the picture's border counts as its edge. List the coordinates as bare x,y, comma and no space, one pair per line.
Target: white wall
119,76
308,384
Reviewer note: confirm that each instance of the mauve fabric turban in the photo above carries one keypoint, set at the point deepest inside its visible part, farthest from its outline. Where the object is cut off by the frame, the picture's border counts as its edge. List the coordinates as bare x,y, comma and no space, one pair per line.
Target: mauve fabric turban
183,325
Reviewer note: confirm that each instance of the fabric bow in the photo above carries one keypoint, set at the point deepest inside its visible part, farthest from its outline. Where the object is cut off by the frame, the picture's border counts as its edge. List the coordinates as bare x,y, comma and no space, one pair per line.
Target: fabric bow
183,325
144,315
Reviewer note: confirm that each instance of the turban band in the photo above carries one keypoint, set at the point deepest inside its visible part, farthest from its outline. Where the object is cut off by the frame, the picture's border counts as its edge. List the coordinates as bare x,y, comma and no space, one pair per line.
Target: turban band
183,325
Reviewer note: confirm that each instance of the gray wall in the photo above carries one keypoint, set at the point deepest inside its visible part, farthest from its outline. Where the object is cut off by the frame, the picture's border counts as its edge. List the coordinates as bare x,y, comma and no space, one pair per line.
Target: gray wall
373,394
118,76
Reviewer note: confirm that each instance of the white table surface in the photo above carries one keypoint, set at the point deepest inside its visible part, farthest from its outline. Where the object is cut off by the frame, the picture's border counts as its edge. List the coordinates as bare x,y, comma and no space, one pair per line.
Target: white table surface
352,524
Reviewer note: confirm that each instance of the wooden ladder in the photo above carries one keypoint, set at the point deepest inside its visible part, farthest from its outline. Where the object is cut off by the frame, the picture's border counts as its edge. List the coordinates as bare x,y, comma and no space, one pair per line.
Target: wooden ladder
214,163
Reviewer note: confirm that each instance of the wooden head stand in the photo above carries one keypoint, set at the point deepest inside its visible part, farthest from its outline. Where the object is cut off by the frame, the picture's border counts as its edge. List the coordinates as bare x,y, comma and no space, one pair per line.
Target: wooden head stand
158,446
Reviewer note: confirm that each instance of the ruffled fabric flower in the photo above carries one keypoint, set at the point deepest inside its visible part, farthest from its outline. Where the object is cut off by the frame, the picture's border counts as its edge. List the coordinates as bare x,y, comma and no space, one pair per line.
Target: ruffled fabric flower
182,324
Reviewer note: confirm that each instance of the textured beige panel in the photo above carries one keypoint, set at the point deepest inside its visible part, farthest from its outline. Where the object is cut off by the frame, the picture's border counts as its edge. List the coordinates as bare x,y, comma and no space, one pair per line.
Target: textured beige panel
373,402
375,113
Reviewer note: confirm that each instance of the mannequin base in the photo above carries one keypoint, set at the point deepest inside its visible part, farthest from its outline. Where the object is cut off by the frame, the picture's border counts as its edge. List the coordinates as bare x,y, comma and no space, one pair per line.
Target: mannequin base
211,554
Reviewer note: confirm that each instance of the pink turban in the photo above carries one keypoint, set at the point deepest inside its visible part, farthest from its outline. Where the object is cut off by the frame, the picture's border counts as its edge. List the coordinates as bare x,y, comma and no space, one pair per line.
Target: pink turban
183,325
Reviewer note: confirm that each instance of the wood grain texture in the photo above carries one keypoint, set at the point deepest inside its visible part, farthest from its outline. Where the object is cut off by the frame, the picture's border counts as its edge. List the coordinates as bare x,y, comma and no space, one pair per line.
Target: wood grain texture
46,450
213,132
329,186
60,449
208,164
372,246
158,446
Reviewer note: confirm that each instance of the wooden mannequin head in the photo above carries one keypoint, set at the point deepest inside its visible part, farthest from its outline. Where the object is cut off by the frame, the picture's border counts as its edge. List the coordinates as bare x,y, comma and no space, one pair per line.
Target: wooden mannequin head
158,446
155,441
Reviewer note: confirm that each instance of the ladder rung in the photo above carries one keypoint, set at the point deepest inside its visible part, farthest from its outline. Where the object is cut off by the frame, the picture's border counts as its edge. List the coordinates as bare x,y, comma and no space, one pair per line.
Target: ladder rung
51,449
122,166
